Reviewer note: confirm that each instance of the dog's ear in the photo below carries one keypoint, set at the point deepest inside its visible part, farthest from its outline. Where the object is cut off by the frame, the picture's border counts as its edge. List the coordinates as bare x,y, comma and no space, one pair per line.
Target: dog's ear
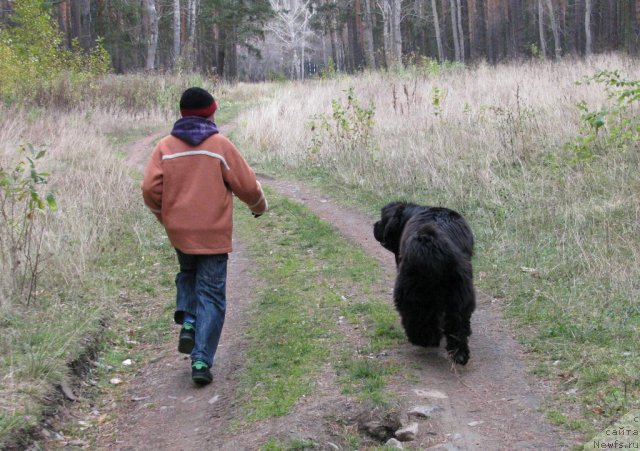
393,226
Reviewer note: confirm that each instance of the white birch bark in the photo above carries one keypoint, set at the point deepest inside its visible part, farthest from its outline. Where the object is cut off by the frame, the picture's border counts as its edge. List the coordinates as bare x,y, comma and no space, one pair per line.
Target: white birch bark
436,24
397,32
454,28
177,30
543,39
151,29
460,31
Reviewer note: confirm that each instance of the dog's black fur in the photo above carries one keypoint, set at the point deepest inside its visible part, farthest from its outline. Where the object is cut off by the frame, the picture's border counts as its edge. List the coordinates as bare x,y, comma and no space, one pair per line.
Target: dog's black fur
434,286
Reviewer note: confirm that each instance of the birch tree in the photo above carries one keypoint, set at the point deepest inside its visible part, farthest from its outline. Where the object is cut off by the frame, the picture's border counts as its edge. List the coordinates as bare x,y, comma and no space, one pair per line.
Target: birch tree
192,15
177,30
397,31
460,31
291,25
436,25
392,37
150,27
454,28
543,39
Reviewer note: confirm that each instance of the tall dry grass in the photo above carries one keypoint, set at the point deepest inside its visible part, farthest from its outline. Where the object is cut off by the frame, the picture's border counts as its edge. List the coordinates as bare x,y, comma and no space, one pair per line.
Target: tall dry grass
558,239
99,210
94,244
486,115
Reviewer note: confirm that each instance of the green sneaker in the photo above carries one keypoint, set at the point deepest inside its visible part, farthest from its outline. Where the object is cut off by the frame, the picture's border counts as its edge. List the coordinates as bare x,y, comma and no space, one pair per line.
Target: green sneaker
200,373
187,338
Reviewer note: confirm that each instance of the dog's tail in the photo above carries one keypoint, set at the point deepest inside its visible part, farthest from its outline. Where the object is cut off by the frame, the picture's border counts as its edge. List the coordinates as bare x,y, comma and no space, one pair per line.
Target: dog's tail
431,251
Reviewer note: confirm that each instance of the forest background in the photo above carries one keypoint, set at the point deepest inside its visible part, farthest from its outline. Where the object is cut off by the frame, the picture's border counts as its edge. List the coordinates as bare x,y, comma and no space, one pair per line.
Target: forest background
266,39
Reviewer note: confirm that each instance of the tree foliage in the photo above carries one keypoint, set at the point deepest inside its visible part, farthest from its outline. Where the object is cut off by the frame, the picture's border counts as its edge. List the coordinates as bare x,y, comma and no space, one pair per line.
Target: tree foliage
32,55
225,37
615,126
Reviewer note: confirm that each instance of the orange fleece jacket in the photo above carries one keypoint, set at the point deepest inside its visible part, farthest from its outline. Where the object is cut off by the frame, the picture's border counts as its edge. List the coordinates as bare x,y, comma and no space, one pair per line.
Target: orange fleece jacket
190,190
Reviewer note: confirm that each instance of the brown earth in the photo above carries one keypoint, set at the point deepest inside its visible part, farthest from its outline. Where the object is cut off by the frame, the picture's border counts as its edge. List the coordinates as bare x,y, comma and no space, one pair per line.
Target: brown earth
490,404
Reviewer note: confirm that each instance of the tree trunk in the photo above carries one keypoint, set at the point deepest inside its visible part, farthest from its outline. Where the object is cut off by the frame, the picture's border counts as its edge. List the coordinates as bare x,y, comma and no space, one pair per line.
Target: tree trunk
359,55
231,72
192,13
454,29
460,31
64,21
150,27
222,54
176,32
76,20
385,8
86,42
587,28
436,25
479,47
335,51
543,39
515,26
554,29
397,32
370,55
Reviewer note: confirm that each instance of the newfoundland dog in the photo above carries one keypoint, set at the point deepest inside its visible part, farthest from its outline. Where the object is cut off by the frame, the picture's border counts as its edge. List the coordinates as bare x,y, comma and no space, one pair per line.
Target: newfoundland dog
433,292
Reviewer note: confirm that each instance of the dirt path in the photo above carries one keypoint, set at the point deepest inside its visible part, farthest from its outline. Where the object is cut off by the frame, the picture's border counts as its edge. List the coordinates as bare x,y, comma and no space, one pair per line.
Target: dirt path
491,404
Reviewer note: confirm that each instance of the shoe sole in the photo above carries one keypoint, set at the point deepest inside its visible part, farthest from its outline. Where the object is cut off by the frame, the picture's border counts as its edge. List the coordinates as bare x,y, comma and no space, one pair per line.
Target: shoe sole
185,345
201,380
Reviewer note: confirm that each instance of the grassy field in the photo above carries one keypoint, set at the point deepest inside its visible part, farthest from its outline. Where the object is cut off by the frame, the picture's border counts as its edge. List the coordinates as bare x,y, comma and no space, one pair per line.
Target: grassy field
90,249
557,228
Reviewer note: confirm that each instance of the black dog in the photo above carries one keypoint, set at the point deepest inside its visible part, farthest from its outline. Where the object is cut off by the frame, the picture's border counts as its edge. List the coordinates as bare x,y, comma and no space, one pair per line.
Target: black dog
434,286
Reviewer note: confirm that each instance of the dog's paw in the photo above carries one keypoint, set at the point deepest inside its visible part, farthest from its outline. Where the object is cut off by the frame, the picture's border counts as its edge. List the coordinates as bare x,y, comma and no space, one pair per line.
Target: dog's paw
460,356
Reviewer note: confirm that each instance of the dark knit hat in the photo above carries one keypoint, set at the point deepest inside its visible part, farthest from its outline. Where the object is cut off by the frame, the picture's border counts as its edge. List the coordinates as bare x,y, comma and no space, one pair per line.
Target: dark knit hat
197,102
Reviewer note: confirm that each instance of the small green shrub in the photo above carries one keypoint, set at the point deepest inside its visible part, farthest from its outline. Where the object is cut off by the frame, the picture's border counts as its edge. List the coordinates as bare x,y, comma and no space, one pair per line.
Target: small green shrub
22,208
347,131
613,127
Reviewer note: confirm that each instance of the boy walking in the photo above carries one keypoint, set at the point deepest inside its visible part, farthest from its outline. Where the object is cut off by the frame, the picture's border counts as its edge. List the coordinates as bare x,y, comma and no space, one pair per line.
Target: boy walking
189,183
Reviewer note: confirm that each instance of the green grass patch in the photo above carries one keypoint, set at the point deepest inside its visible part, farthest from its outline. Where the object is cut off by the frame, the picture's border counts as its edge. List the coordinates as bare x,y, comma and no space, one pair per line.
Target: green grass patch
304,271
559,252
39,343
292,445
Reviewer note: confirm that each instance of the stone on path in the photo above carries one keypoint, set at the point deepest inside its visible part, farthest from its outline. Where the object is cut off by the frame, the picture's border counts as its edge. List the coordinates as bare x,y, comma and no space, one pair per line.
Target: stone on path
425,411
407,433
394,443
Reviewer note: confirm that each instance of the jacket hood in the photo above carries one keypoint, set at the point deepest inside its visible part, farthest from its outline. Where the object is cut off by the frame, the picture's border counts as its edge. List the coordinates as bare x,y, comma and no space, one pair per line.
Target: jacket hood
193,129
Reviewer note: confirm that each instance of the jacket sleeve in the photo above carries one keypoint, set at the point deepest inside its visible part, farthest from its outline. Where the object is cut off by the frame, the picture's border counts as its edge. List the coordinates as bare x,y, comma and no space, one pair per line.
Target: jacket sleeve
152,184
242,180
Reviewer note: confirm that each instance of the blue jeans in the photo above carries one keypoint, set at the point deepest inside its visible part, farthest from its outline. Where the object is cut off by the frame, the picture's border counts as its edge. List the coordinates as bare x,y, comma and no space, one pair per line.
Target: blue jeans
201,285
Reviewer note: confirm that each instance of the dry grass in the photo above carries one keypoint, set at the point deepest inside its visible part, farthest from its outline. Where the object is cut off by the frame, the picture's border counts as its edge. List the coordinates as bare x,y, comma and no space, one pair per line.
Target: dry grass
491,142
98,208
94,244
488,141
486,117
